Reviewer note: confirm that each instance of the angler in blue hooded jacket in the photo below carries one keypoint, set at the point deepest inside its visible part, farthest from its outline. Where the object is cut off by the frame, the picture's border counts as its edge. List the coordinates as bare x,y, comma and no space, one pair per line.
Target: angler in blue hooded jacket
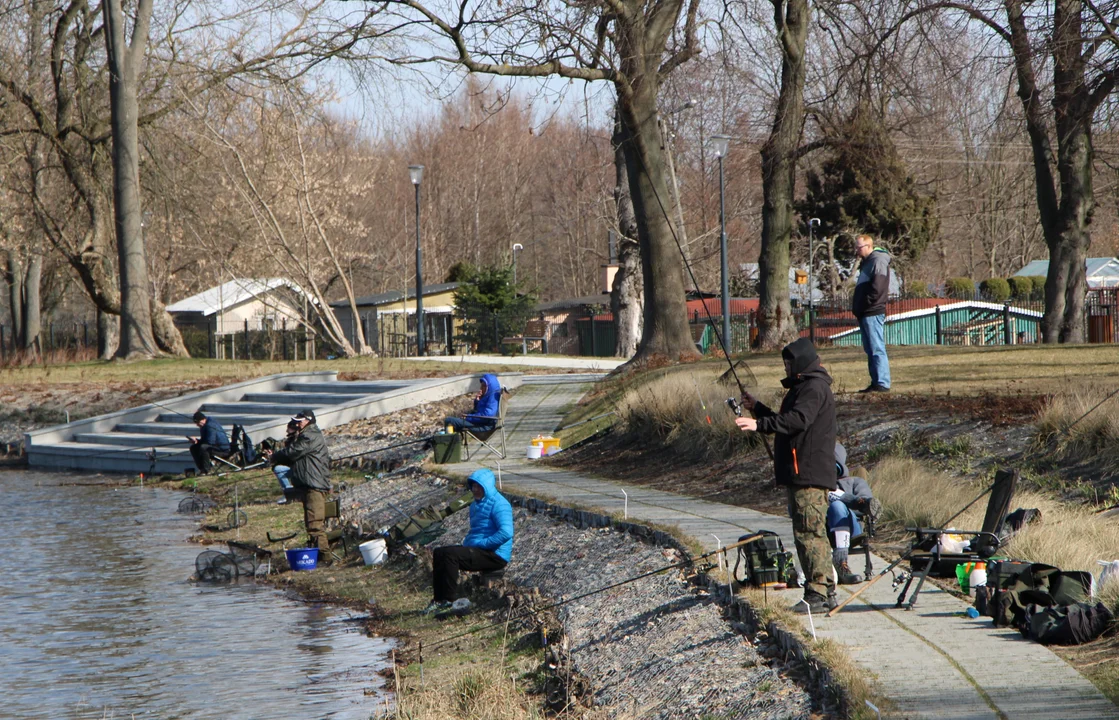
487,546
487,405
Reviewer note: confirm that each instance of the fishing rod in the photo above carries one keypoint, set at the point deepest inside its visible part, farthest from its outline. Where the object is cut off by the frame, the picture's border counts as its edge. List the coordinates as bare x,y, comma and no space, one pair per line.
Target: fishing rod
565,601
706,311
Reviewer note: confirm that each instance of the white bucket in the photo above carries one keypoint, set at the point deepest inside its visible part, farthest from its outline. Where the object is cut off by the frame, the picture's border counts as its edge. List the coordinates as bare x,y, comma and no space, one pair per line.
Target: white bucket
374,552
534,452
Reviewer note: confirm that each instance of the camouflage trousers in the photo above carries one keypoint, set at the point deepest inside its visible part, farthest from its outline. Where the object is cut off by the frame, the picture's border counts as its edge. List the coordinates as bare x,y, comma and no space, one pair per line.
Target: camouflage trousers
808,509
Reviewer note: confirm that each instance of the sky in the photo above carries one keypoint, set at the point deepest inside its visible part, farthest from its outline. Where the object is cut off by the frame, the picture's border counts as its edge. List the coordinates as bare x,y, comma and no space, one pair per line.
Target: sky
410,98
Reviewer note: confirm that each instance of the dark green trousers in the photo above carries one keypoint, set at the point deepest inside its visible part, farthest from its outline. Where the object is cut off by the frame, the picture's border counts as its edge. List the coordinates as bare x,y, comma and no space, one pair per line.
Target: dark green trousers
808,509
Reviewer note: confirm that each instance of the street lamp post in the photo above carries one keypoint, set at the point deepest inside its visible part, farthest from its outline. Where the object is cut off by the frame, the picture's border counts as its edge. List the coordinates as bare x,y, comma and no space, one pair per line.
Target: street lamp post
721,145
417,173
517,247
813,223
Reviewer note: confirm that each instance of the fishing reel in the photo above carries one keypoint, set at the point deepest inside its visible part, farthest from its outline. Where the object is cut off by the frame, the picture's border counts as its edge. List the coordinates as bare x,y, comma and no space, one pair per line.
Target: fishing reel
735,406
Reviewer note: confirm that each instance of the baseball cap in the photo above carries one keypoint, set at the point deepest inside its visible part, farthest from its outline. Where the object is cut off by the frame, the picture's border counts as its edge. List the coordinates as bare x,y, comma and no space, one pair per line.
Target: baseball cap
308,415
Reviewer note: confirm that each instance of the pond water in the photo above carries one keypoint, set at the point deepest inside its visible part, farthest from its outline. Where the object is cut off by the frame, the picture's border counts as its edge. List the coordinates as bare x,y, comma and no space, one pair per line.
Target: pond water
98,619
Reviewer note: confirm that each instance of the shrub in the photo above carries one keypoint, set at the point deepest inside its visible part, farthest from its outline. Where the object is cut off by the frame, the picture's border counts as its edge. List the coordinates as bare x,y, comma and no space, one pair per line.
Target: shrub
961,288
995,289
917,289
1039,286
1021,288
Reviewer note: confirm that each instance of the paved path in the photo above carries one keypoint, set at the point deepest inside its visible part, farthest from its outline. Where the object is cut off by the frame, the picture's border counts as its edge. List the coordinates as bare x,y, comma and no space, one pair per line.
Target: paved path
560,362
932,662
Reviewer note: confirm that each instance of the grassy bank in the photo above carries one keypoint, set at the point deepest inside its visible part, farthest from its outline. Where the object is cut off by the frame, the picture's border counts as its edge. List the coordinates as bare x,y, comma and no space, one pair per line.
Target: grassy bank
489,675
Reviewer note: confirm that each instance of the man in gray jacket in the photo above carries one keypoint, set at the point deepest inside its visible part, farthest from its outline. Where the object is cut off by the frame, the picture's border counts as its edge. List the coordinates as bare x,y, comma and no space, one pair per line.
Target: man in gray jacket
309,459
869,307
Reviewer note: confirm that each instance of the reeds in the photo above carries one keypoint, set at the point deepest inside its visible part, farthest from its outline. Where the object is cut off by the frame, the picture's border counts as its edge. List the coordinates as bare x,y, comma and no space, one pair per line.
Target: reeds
1071,422
687,412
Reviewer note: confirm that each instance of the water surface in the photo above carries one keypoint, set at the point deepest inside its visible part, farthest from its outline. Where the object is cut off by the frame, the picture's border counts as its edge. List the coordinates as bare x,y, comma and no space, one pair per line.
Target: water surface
98,619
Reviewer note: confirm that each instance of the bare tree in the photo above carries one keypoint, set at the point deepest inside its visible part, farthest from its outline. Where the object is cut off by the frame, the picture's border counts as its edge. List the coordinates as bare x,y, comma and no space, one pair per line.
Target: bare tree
632,44
288,176
1060,95
779,159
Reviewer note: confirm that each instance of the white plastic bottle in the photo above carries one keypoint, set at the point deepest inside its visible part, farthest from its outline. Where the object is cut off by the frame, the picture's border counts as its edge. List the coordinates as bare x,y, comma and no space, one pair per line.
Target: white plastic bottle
978,576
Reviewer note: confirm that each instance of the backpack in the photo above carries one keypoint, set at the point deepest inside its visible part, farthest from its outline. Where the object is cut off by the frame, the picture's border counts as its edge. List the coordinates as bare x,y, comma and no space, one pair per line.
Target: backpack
765,561
1073,624
1037,585
239,442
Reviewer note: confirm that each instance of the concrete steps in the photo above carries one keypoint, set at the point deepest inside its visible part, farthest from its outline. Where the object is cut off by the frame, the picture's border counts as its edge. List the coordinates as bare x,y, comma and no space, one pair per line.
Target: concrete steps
152,438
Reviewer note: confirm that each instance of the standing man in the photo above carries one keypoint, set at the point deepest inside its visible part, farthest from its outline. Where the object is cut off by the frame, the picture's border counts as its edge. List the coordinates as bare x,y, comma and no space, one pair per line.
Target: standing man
869,307
804,462
211,440
307,456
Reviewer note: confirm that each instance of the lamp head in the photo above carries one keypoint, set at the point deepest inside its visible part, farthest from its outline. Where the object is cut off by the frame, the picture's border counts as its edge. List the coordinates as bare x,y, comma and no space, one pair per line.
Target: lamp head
721,145
416,172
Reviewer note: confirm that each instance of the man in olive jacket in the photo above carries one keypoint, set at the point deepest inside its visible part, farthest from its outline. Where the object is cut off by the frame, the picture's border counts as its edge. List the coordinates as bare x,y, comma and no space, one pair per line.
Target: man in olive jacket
804,462
309,459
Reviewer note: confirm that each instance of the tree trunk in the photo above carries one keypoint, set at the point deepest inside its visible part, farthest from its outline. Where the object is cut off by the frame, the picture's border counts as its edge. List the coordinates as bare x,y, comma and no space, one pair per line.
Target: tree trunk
14,277
665,332
108,334
136,338
32,305
167,335
779,155
626,294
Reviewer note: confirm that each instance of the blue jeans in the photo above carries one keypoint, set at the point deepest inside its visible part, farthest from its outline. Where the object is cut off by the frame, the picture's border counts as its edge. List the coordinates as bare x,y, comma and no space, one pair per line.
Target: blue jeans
839,515
283,474
873,328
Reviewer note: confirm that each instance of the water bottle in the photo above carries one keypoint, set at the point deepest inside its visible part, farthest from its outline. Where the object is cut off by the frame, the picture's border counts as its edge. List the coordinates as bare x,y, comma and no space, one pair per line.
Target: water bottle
978,576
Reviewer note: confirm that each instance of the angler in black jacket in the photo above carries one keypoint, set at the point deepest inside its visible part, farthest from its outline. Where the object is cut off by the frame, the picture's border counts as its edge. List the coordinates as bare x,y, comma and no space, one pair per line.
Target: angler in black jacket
804,462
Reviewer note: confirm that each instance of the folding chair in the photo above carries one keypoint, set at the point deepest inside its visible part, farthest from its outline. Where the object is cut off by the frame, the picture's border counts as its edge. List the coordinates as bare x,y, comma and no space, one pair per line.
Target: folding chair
984,543
493,440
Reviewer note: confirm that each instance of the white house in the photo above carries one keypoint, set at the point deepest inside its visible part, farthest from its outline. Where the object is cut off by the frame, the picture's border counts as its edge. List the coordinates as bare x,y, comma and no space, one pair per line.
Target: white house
1103,272
223,310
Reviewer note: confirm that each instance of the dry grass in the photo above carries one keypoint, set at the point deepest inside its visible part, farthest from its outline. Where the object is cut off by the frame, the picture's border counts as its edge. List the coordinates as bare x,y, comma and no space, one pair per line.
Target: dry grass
1071,422
482,693
1067,536
686,411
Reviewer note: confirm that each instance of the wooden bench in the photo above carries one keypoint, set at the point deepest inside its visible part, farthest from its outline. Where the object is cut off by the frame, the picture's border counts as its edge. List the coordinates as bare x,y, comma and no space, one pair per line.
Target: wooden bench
533,333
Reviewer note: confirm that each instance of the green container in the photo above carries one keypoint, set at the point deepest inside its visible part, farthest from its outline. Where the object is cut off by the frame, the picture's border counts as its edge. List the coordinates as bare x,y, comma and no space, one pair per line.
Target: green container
448,448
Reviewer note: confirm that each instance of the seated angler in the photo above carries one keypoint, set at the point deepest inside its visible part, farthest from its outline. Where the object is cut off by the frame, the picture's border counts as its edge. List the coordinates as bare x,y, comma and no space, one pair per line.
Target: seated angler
851,494
212,441
487,405
487,546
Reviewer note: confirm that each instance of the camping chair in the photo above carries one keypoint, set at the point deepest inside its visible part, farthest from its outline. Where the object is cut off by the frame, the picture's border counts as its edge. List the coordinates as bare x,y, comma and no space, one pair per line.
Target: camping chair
242,453
927,555
493,440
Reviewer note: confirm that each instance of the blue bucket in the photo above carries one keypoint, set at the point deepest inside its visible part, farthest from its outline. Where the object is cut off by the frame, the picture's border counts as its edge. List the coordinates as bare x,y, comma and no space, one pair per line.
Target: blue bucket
303,558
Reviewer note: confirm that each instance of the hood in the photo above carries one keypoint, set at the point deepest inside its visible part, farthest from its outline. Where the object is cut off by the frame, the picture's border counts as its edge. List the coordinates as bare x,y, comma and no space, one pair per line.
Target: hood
483,477
493,385
841,460
802,356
